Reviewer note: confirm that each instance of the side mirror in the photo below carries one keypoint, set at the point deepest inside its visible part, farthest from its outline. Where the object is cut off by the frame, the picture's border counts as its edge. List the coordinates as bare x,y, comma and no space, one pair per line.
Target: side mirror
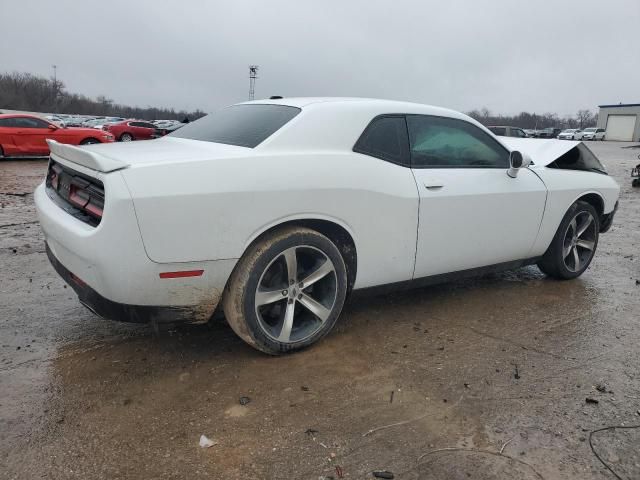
517,161
52,127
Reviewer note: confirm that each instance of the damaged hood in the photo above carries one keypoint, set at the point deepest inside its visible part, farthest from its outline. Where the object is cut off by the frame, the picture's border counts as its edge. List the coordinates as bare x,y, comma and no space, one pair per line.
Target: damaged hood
542,151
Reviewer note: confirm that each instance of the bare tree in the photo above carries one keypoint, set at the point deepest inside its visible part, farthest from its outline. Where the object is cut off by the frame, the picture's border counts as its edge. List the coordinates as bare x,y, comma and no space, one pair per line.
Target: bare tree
24,91
585,118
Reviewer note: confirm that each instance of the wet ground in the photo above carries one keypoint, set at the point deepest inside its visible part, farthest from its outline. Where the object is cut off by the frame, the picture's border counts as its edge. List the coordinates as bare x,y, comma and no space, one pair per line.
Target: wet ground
427,384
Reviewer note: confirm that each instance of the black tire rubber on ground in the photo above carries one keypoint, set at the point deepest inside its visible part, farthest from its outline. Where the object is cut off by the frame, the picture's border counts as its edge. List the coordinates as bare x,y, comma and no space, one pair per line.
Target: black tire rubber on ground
89,141
635,182
1,152
552,263
127,134
239,294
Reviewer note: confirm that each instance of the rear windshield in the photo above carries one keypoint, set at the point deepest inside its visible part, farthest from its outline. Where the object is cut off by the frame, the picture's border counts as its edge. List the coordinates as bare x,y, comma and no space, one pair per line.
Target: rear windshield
241,125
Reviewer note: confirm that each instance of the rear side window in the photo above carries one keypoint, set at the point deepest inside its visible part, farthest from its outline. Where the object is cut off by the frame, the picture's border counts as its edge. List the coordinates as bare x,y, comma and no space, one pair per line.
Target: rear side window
7,122
441,142
385,138
240,125
502,131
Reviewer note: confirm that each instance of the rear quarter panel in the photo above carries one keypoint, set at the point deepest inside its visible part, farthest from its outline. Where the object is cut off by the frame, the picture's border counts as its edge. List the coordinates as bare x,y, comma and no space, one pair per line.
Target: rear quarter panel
209,210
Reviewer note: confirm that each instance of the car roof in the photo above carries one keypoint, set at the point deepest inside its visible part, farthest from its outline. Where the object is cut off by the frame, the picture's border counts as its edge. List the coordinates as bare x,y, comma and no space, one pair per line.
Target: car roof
315,128
19,115
383,106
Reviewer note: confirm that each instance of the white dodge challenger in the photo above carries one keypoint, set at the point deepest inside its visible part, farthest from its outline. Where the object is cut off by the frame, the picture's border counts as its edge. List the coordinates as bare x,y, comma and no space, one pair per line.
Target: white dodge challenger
275,210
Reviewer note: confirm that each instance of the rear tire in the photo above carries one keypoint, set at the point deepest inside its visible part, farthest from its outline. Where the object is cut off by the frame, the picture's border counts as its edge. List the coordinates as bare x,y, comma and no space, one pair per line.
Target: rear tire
1,153
126,137
287,290
574,244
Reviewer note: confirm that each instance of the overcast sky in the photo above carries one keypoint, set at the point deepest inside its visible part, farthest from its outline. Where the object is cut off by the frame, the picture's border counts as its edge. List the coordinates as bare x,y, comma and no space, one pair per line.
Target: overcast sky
508,56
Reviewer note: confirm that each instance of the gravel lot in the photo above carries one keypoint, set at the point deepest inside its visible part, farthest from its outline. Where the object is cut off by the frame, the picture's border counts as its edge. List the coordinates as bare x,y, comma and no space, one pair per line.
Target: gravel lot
428,384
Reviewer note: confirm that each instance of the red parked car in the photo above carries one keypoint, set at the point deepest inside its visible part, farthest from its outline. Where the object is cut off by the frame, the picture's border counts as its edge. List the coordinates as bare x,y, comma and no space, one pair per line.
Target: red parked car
26,136
130,130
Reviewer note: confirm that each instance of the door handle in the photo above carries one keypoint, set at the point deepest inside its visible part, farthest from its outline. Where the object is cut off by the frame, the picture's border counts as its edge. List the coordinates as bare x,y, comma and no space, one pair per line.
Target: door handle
433,185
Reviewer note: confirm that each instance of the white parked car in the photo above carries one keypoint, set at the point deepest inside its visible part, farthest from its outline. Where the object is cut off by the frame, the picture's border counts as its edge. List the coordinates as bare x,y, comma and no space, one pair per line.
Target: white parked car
592,134
569,134
275,210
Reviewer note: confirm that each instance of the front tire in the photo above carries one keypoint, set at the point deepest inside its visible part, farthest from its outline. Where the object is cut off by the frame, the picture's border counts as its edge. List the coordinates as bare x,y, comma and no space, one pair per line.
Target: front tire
89,141
126,137
287,290
574,243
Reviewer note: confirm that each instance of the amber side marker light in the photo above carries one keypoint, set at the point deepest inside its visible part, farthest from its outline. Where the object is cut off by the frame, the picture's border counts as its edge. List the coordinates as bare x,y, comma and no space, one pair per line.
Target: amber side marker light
182,274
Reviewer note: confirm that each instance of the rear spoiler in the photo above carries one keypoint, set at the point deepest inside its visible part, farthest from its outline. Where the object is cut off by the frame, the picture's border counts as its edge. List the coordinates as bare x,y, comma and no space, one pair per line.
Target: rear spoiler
86,158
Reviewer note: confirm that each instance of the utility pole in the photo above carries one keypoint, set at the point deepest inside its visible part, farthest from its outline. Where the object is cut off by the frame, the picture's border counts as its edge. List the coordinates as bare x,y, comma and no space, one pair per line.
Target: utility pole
253,74
55,82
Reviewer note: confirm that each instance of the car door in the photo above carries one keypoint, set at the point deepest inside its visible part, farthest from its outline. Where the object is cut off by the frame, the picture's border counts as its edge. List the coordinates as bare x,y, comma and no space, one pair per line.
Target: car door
7,130
471,213
149,130
30,136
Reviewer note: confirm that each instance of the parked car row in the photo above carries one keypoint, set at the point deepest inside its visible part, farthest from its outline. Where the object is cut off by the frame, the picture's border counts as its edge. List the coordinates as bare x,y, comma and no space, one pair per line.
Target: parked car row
591,133
23,135
165,126
27,135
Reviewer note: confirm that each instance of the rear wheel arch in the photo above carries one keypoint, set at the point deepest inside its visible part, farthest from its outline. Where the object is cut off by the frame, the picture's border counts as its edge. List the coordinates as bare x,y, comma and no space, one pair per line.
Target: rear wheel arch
338,234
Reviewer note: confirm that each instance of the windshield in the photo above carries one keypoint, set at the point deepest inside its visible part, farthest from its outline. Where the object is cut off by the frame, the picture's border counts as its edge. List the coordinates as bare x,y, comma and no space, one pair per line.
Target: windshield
245,125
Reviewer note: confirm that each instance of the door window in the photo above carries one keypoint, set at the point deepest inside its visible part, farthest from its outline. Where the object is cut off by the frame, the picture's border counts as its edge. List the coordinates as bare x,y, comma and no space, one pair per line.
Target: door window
385,138
27,122
7,122
439,142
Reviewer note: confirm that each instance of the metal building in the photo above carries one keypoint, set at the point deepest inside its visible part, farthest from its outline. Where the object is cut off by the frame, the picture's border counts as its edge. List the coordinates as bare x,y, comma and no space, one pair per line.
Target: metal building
621,122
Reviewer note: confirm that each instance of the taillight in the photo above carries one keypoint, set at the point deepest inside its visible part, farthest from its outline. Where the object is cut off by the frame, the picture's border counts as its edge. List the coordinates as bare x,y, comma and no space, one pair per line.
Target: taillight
85,194
54,176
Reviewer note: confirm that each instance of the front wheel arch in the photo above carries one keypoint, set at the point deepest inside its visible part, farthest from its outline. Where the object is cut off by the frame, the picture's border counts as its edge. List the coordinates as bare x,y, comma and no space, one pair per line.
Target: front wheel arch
595,200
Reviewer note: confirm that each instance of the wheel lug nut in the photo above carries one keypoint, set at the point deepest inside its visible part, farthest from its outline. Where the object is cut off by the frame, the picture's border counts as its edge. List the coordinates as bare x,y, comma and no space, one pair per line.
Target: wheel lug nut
301,285
291,282
284,293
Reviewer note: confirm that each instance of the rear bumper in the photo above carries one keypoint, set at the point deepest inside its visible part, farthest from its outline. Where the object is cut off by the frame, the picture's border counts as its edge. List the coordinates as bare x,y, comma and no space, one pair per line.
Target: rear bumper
111,310
110,271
